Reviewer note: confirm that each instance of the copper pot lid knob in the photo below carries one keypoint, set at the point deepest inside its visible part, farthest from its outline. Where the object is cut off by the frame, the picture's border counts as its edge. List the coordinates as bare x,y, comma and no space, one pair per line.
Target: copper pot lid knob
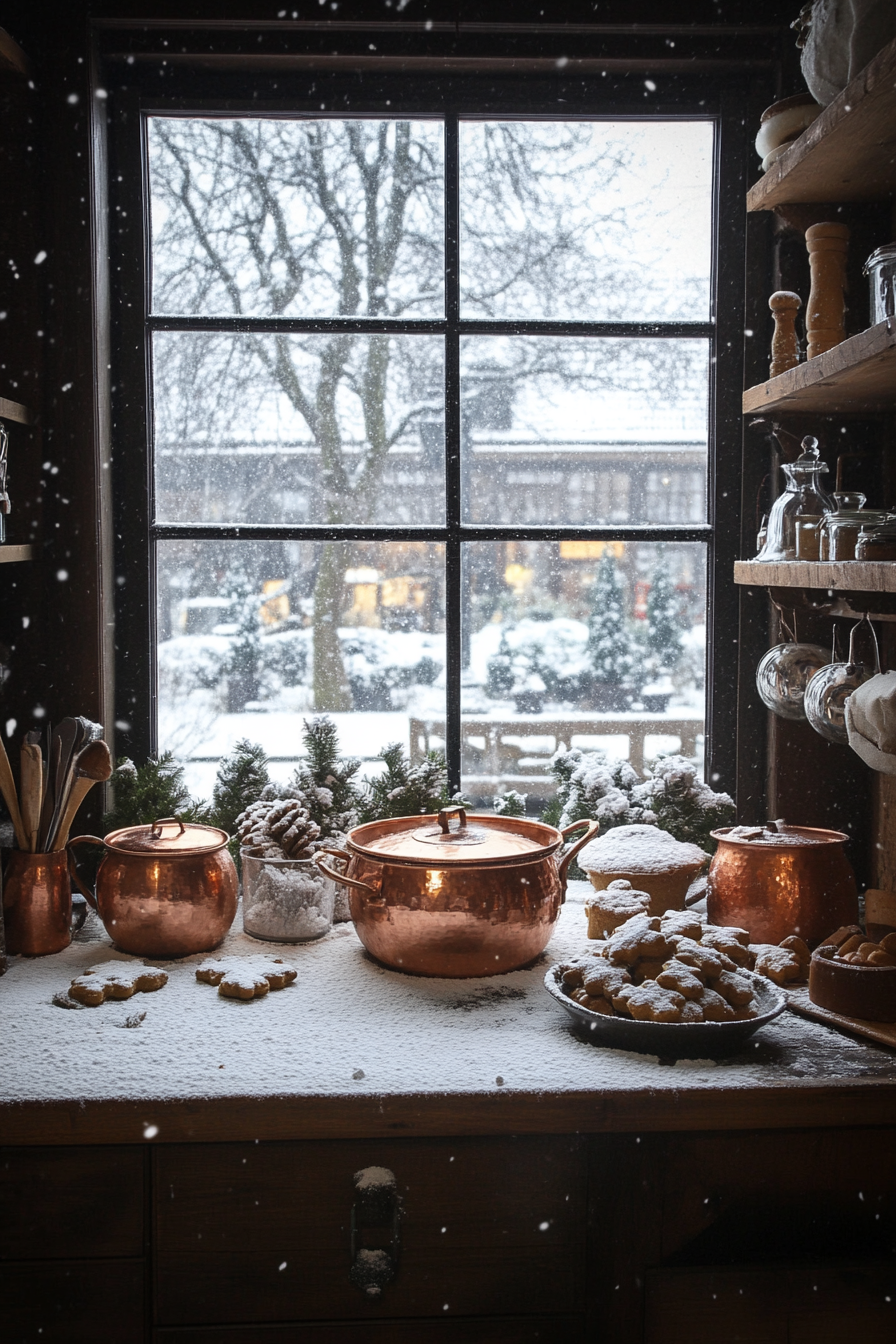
442,834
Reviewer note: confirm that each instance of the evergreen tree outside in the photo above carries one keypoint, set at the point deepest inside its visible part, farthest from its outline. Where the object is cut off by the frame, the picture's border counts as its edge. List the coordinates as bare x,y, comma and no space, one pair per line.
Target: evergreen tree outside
609,643
244,658
664,627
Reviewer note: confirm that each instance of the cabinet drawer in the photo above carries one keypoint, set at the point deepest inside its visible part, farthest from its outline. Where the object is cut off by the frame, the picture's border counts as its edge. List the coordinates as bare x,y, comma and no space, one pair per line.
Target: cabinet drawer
819,1304
72,1302
258,1233
59,1200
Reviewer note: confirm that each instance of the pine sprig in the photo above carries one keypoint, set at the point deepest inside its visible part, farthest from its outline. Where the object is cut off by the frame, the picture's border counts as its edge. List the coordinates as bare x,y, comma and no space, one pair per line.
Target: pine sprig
242,776
405,790
146,793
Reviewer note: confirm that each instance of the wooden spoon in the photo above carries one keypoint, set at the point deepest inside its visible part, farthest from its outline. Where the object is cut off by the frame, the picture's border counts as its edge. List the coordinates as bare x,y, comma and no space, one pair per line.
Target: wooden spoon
93,765
31,781
10,797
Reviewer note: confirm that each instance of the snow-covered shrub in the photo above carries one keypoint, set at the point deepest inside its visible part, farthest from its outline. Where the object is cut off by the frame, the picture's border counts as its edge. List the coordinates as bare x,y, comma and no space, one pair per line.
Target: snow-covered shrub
510,804
682,803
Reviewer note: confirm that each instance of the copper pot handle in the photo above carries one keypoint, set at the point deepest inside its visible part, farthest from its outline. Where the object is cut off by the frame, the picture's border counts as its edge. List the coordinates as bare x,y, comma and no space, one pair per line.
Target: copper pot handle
445,813
165,821
89,896
340,877
593,828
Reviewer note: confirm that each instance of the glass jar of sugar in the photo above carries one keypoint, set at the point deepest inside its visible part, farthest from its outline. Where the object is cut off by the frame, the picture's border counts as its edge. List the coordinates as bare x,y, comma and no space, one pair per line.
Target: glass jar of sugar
286,900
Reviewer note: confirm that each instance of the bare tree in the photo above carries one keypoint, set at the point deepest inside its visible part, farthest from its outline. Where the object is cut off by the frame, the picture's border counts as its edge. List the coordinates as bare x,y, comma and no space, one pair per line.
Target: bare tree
344,218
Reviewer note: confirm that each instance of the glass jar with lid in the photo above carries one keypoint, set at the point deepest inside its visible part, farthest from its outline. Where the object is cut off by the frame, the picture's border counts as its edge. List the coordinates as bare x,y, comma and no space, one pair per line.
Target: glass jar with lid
803,497
840,530
881,271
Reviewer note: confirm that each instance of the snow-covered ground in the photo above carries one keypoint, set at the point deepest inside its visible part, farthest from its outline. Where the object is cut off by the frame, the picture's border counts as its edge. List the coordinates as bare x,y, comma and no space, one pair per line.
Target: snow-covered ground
402,675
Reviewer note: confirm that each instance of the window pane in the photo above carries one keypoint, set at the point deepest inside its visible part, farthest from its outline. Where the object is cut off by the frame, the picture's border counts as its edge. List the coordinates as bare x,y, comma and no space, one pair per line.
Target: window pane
603,430
300,429
590,644
252,636
297,218
585,220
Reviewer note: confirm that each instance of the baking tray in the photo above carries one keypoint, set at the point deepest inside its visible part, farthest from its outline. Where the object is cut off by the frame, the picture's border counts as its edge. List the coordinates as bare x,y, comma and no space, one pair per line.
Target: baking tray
883,1033
681,1040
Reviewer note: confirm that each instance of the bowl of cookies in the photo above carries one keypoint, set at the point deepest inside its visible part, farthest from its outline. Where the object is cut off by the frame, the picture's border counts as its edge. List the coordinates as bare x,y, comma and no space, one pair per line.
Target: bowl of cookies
855,976
673,985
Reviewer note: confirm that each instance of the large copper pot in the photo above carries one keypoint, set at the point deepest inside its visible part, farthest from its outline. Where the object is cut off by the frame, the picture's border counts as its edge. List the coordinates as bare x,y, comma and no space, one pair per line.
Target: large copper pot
779,887
480,899
165,890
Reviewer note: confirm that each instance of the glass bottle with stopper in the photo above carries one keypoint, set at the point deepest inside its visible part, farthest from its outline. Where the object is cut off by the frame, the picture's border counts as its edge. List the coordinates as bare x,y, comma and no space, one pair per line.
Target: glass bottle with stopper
803,498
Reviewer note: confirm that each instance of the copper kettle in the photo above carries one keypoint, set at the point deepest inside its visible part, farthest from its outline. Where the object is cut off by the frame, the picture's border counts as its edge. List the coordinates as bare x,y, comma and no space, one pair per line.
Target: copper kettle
796,879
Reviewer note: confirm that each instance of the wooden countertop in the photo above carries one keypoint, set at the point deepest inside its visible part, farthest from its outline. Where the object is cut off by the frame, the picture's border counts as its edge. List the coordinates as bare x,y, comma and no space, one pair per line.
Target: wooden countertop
354,1050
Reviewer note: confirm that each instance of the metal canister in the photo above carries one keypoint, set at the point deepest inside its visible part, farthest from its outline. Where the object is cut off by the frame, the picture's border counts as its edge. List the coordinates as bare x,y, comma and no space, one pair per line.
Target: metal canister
881,271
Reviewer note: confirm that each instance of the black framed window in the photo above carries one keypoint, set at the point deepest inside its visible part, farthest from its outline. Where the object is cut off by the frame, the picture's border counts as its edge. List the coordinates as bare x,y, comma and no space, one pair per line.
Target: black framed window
421,405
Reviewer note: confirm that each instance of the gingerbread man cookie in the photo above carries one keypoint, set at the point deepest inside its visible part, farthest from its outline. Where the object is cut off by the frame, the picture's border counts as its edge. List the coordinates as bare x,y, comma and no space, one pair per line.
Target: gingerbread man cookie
115,980
246,977
637,940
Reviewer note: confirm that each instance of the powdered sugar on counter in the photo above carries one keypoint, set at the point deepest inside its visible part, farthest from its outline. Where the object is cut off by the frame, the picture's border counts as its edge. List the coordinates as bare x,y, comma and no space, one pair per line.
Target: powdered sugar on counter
348,1026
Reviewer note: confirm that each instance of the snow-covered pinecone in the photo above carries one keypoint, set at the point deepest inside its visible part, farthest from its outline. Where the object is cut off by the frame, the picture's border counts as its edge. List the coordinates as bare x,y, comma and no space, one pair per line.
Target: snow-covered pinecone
279,827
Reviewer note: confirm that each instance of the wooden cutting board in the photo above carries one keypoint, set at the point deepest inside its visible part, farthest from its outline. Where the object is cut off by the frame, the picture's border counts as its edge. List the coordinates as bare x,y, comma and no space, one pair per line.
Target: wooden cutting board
884,1033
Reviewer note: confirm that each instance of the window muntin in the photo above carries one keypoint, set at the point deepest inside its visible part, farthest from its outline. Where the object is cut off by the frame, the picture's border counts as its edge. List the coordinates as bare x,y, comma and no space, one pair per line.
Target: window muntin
608,497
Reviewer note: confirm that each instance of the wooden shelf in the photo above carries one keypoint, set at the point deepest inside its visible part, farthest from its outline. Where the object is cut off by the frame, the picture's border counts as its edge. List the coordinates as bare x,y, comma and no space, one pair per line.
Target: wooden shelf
845,576
14,410
857,375
849,151
10,555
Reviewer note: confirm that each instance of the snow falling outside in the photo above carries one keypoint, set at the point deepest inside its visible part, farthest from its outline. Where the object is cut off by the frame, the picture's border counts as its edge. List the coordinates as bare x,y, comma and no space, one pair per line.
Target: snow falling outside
581,642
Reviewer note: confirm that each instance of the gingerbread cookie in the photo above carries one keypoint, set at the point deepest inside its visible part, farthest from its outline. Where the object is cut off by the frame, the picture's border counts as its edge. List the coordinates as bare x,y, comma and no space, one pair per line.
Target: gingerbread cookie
681,924
594,1002
246,977
115,980
649,1002
603,980
692,1012
800,950
636,940
683,979
707,960
777,964
727,941
715,1008
734,988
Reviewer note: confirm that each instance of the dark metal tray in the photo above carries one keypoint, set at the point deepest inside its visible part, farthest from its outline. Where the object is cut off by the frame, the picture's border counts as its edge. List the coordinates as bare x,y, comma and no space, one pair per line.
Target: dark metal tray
682,1040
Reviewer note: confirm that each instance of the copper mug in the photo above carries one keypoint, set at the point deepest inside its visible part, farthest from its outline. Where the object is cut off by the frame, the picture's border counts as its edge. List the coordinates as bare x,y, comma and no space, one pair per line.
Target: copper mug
38,911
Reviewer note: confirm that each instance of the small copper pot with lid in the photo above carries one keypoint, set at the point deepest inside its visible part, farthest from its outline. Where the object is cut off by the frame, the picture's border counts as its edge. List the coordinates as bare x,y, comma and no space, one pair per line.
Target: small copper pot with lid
478,899
165,890
796,879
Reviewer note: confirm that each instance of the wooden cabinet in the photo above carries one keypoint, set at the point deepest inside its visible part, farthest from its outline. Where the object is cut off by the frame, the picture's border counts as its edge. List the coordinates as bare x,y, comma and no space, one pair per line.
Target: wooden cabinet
72,1245
487,1227
774,1237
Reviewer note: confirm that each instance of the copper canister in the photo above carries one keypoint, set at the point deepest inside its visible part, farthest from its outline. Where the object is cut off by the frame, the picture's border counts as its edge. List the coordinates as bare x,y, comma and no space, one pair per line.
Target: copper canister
165,890
478,898
798,882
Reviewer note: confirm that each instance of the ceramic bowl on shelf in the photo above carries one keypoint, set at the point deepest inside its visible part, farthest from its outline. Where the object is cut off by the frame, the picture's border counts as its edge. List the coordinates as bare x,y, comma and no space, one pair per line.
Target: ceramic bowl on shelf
782,123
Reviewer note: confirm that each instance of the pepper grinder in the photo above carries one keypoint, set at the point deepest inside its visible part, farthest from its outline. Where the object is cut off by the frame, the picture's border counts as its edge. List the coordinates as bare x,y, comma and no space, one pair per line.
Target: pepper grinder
785,349
825,311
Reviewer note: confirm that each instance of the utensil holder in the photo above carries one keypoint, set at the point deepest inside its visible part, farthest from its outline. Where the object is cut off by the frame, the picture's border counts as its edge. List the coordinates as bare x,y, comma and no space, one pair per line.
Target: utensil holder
37,903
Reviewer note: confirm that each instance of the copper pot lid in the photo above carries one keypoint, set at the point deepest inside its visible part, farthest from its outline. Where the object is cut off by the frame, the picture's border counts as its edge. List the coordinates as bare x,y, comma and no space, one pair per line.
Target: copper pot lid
783,837
167,836
434,841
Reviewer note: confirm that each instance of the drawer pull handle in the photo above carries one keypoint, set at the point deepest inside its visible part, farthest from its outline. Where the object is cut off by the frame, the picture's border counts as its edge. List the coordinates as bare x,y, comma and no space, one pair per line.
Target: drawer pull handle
375,1230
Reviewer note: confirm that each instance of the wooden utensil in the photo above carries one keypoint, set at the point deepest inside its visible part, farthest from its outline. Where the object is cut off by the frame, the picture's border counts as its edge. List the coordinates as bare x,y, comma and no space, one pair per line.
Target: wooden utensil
94,765
10,797
68,738
31,782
